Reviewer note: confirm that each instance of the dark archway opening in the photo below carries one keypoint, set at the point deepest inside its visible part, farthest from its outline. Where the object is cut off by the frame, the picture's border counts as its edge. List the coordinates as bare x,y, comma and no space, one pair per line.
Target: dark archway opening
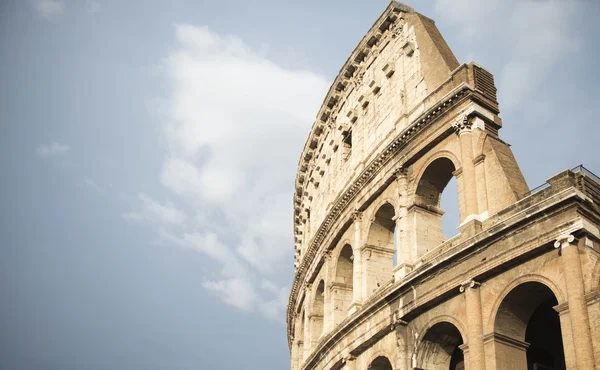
380,363
526,315
440,348
543,334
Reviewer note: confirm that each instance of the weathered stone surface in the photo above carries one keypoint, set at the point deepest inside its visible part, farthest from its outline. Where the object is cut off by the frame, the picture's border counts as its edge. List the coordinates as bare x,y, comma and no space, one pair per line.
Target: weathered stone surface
401,119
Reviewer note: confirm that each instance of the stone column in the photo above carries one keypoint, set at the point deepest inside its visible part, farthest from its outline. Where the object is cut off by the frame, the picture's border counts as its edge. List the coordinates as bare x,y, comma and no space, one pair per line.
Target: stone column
469,193
406,256
474,325
580,324
357,266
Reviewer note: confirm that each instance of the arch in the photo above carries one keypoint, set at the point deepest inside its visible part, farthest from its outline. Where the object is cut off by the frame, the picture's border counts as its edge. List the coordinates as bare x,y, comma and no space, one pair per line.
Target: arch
560,296
381,227
317,313
449,319
446,154
440,348
527,330
379,247
343,283
425,212
380,362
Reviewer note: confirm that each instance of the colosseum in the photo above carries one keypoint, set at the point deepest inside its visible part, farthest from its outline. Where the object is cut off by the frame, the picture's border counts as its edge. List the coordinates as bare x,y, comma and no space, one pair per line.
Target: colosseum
378,285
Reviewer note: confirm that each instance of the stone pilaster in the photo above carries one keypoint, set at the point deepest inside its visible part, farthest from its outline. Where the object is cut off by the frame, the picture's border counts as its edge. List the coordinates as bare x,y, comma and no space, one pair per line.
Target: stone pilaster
474,324
328,301
402,353
404,252
358,285
568,246
463,128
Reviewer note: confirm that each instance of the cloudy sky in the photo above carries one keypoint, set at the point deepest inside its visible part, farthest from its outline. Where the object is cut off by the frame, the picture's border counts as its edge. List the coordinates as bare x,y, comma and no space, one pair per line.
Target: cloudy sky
149,148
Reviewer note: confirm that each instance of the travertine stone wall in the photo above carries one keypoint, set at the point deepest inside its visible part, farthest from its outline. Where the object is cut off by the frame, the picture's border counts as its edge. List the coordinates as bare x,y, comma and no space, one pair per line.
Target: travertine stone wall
378,285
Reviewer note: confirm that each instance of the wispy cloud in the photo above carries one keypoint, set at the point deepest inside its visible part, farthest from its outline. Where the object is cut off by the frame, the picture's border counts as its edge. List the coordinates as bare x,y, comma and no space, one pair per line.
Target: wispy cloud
52,150
88,183
49,8
153,211
235,125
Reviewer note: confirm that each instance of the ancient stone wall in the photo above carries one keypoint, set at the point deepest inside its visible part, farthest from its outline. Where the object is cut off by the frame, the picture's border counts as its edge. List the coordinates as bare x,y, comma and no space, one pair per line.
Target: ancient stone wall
378,285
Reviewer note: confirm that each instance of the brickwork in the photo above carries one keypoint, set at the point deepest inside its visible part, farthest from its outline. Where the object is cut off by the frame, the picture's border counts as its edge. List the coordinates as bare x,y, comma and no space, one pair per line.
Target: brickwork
378,285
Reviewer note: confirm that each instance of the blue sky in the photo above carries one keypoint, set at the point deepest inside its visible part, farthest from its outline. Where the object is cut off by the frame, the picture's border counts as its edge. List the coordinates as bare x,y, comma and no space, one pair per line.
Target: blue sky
149,151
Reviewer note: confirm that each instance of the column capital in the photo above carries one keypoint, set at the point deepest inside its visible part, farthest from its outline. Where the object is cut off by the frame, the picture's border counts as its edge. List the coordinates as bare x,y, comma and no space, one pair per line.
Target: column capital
401,172
357,216
463,125
472,284
564,241
397,321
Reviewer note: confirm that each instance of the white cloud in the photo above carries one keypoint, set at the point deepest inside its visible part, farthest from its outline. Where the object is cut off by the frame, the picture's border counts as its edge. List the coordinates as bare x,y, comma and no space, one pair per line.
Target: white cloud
49,8
88,183
527,38
236,292
53,150
235,125
153,211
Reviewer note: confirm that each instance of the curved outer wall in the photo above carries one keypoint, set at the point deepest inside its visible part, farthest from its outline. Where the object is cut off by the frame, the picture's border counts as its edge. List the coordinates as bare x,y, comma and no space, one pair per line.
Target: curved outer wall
377,282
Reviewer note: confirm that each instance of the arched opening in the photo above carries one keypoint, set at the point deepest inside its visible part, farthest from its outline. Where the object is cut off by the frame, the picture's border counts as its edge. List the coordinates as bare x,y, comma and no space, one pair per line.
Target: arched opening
527,330
380,363
342,286
426,212
316,314
379,248
440,348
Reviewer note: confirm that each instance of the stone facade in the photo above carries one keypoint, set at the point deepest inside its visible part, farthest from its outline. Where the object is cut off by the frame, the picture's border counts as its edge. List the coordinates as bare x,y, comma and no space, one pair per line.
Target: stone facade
378,285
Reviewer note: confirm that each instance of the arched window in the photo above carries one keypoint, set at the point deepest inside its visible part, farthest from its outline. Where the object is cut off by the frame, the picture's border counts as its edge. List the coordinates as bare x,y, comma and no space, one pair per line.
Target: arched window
342,286
379,248
527,329
426,213
316,315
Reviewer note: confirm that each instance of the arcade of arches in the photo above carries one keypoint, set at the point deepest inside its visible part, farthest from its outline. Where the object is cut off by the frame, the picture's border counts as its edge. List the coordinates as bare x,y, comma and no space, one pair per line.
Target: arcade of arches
378,285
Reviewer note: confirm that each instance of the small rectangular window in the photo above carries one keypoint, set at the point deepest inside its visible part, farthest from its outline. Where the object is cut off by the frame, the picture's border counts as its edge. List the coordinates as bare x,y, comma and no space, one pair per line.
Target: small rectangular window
347,143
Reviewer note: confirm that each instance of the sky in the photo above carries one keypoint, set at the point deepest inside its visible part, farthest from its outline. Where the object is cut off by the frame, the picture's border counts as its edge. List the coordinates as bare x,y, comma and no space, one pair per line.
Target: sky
149,150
